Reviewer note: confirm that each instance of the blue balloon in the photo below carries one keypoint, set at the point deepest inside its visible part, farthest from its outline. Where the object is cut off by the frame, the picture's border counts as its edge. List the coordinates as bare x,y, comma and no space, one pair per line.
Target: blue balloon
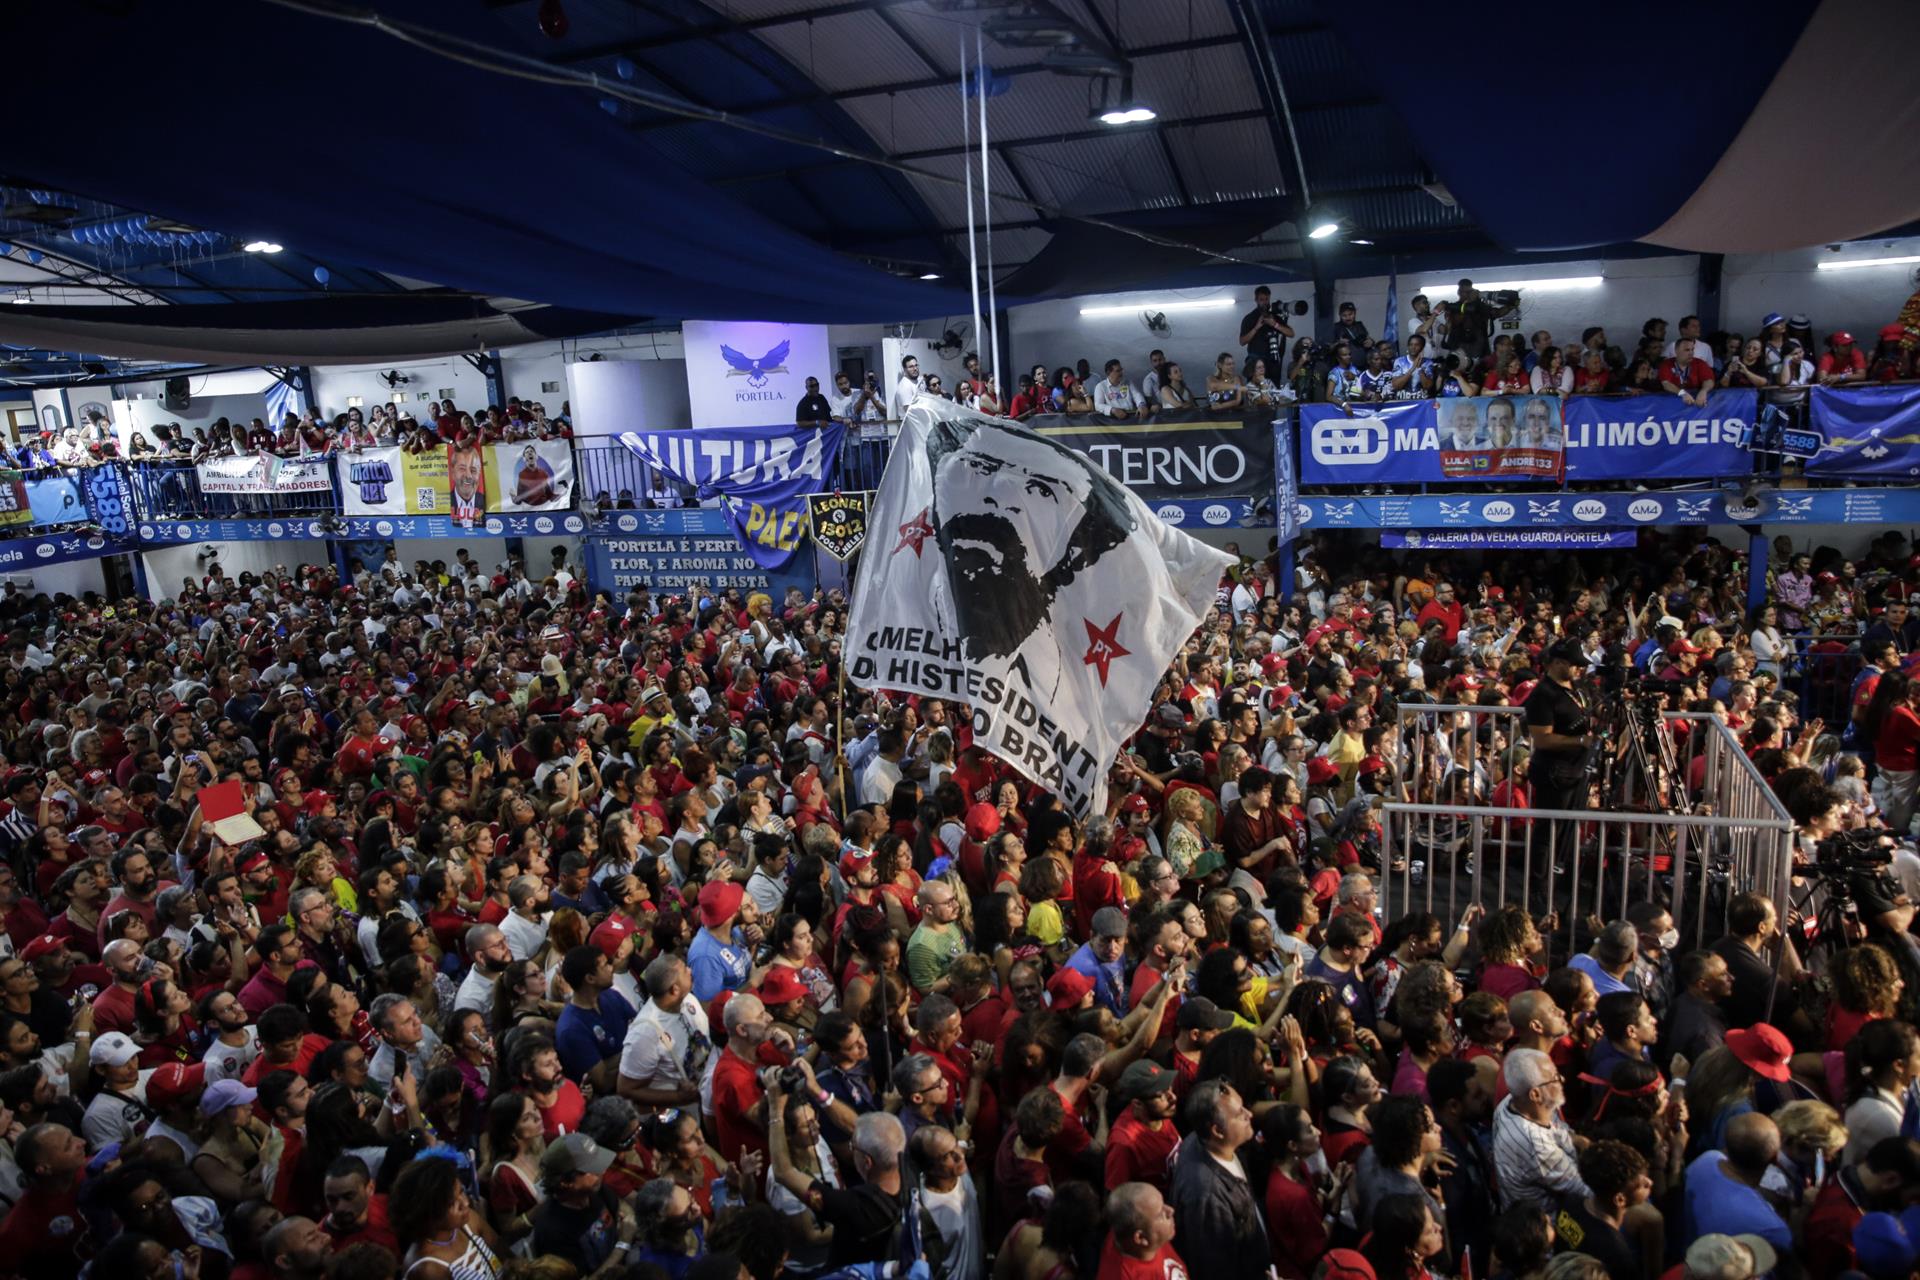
624,68
322,274
610,105
34,256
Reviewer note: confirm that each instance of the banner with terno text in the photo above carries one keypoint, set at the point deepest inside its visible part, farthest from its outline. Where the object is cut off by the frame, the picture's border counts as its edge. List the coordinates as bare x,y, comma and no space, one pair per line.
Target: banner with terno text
1503,438
1870,431
1171,455
762,476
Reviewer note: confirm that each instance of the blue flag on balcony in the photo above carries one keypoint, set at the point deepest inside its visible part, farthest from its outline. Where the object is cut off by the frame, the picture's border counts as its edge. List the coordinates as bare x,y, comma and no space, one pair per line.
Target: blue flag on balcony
761,477
1390,329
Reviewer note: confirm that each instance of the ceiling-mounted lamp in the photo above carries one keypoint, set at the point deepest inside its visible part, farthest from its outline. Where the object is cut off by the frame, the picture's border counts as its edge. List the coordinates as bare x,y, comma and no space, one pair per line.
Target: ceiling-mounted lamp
929,275
1123,107
261,246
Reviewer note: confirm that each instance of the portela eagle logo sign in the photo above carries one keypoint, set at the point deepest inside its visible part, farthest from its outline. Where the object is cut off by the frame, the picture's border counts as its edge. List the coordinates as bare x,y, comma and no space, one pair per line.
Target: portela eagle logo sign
755,371
839,522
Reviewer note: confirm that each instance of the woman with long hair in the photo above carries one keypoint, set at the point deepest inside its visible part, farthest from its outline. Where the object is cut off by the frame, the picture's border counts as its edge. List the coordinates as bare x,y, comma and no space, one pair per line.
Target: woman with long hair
510,1151
1881,1062
162,1025
1000,932
436,1225
682,1153
1866,988
1405,1234
520,995
474,1056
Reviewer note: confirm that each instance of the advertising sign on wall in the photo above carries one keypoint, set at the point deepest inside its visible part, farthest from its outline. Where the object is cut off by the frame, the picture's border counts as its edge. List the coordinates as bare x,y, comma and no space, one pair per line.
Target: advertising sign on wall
747,374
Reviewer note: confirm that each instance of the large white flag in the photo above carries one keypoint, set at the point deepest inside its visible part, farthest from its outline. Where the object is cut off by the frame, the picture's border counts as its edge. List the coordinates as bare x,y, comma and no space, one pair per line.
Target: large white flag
1015,575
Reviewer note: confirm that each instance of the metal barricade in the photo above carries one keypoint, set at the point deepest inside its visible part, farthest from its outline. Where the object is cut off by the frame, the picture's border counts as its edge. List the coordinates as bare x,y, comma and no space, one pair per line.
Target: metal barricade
171,490
1448,746
1736,837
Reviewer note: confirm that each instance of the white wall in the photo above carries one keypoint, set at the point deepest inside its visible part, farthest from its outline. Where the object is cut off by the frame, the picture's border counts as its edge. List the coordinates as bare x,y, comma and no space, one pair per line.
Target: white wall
653,397
75,578
201,411
488,552
1055,333
166,566
333,384
50,407
1861,300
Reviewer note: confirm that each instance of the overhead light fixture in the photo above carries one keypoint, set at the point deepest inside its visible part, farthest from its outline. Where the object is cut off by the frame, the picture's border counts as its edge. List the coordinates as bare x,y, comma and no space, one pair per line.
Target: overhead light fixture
1135,114
1123,107
930,275
261,246
1487,286
1365,242
1211,304
1848,264
1322,230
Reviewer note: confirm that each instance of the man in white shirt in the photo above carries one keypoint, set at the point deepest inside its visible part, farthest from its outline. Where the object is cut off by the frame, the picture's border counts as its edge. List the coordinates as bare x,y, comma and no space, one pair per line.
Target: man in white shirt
1702,349
909,387
525,926
1150,385
883,773
1113,395
668,1043
951,1203
491,956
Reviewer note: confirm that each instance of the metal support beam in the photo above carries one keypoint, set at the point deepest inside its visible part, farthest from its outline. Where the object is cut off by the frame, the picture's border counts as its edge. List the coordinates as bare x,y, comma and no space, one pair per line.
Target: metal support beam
1706,301
487,365
713,31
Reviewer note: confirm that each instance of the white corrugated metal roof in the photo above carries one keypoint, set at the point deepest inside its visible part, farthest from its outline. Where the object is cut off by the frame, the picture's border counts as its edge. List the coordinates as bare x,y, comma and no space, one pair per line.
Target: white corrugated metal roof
847,51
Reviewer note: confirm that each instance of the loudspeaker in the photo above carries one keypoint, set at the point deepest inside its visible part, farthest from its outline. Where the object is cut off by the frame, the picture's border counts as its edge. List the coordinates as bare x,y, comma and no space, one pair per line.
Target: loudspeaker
177,396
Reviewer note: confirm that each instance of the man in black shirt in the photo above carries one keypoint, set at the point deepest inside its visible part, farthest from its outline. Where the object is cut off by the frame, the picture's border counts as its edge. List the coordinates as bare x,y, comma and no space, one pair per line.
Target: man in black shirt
813,410
1349,329
580,1219
863,1217
1263,333
1752,924
1616,1177
1471,322
1558,722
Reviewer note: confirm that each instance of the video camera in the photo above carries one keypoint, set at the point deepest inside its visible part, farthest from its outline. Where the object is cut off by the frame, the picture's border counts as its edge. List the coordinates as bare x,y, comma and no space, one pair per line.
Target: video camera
1503,297
1842,856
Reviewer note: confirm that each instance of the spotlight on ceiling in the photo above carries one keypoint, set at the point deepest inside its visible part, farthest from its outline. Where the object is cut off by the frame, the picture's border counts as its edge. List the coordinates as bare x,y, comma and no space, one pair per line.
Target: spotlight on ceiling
1321,230
261,246
1122,107
929,275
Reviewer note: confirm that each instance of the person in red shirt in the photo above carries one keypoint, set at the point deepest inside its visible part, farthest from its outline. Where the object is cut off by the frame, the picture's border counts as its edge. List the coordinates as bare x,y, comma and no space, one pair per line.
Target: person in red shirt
739,1108
1843,361
1140,1243
1142,1142
1445,610
1877,1183
1166,951
356,1213
39,1234
1296,1222
1592,377
1075,1153
1685,375
540,1076
363,747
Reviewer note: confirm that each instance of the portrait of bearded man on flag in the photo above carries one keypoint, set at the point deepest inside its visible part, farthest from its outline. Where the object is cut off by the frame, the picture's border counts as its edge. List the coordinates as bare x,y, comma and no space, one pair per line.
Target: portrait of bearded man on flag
1017,519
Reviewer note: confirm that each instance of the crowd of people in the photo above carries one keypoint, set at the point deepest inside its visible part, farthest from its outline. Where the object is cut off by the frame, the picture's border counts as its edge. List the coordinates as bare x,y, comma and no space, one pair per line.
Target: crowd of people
453,923
1451,349
302,434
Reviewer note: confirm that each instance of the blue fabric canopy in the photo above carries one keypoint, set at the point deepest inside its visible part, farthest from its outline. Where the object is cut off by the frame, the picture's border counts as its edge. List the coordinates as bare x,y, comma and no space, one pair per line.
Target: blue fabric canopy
349,145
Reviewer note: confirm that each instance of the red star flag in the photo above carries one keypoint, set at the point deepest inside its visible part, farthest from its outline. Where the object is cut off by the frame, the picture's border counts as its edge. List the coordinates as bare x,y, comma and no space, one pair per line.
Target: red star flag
1014,575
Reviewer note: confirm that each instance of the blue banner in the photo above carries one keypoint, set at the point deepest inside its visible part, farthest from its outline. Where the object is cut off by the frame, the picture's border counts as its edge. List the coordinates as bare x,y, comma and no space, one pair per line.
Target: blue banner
1609,510
1661,437
691,551
110,499
21,555
1870,431
1472,539
173,532
1286,476
762,475
1514,437
56,498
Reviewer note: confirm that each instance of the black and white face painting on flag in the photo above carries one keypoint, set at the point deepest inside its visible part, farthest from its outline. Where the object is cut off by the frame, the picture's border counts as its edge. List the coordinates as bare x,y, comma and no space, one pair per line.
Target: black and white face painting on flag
1016,575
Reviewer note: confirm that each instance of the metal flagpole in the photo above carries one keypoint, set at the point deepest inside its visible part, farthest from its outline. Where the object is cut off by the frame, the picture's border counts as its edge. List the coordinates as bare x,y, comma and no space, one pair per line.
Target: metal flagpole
986,213
966,138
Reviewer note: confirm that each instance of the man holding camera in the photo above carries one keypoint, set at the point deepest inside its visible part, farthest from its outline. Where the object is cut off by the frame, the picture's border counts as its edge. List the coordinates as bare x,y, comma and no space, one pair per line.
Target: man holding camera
852,407
1470,327
1263,332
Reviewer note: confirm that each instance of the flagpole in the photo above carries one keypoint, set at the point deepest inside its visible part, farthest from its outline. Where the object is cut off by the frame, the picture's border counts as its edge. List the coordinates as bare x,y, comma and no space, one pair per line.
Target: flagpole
840,738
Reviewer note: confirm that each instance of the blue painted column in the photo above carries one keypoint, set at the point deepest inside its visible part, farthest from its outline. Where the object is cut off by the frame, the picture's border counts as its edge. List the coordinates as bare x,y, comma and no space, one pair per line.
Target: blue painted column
1759,547
1286,574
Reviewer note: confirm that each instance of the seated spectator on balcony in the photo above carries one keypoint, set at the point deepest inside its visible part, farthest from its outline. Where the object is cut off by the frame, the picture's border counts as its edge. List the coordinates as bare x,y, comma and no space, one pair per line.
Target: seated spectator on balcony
987,397
1891,360
1685,374
1413,372
138,446
1493,360
813,409
1509,378
934,388
1114,396
1349,330
1593,377
1376,380
447,421
1748,369
71,451
1592,338
1458,379
964,394
1261,391
1844,362
1028,400
286,441
1343,379
1174,391
260,438
1073,394
1303,379
1727,346
1225,391
1156,374
1795,369
1536,347
1550,375
1642,376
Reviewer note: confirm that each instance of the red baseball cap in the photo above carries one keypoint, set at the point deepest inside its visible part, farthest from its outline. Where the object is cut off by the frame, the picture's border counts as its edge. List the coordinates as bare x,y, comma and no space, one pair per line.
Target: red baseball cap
782,986
609,934
174,1082
719,902
1067,988
1321,771
983,821
44,945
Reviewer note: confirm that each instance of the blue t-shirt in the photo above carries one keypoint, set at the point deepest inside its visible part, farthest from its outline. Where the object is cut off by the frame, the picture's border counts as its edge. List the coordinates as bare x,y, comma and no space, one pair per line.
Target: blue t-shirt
1109,980
717,967
584,1039
1604,983
1352,988
1716,1202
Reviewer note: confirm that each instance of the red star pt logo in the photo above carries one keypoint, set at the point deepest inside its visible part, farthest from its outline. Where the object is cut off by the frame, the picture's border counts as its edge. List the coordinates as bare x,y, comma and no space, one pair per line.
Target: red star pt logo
915,532
1103,646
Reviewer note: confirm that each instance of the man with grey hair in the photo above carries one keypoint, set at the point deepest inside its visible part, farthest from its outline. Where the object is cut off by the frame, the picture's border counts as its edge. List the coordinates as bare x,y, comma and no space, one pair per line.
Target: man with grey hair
402,1034
1610,959
668,1042
173,912
1220,1229
925,1096
491,956
734,1097
1100,957
1533,1149
864,1216
314,917
524,926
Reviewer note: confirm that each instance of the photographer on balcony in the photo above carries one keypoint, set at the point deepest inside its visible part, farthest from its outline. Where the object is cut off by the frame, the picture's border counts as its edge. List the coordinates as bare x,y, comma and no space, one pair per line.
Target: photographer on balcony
1470,320
1264,330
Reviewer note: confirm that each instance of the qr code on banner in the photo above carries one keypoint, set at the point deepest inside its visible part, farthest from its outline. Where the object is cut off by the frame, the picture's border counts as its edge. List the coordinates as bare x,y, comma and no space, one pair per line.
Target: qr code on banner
426,499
